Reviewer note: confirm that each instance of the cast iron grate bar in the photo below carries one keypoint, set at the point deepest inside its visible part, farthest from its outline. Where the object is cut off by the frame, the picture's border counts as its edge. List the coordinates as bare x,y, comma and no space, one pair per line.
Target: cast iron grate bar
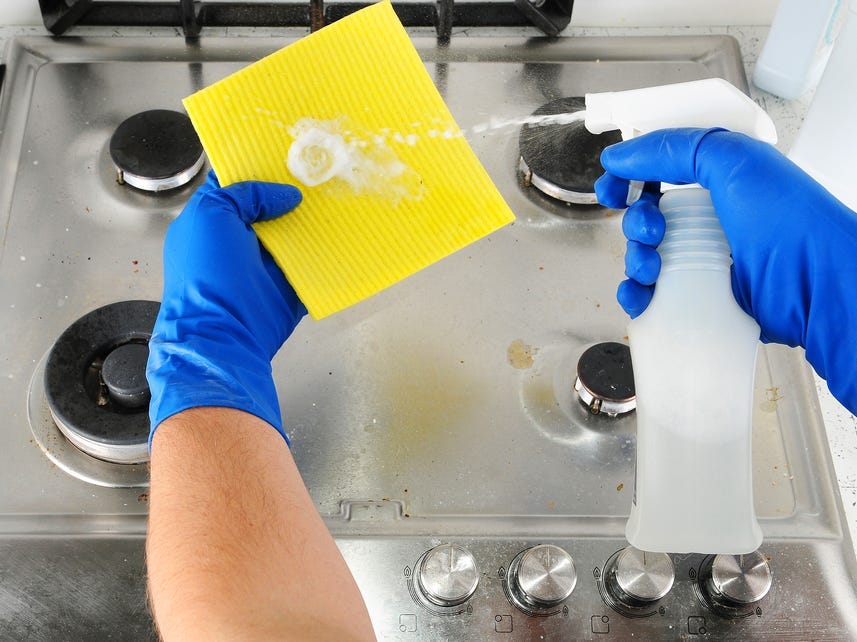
60,15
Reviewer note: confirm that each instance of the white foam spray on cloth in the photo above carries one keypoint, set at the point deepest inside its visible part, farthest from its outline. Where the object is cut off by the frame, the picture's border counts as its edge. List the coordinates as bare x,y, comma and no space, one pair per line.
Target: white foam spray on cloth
323,150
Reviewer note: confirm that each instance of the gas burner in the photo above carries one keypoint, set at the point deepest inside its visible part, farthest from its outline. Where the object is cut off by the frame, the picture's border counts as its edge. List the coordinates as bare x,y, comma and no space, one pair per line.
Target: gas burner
95,381
156,150
605,379
562,159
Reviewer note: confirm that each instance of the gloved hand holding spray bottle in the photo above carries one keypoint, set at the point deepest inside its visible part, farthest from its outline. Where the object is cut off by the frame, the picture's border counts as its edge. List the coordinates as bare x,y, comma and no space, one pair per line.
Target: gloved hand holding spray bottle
693,348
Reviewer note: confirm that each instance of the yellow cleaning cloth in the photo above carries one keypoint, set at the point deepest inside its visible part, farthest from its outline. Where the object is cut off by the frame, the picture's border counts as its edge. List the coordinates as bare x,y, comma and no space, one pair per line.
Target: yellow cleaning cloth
350,115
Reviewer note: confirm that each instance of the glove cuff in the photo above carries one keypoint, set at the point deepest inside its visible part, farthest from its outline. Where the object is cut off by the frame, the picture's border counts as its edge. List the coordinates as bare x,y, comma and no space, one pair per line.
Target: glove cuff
181,377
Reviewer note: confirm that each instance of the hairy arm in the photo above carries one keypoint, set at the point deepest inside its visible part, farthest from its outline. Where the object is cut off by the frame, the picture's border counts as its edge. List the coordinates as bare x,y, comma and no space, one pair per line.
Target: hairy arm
236,548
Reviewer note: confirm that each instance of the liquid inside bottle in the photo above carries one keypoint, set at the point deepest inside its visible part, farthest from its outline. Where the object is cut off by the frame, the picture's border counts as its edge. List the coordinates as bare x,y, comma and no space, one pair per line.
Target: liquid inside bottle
694,352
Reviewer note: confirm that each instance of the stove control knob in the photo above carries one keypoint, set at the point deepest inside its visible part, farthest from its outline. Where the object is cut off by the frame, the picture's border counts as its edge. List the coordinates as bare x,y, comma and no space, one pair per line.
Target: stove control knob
637,579
541,578
447,575
737,581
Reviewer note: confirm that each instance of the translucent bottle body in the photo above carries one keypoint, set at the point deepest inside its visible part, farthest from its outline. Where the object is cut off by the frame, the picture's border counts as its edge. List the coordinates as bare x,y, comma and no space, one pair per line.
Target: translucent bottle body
694,353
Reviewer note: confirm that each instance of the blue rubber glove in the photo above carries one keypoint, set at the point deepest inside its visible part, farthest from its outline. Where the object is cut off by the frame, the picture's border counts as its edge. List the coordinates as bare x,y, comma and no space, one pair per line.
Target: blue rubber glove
794,246
227,308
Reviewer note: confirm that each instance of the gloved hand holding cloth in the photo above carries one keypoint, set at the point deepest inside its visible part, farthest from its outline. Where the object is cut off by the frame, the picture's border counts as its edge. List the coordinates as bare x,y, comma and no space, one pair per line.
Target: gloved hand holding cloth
794,246
226,309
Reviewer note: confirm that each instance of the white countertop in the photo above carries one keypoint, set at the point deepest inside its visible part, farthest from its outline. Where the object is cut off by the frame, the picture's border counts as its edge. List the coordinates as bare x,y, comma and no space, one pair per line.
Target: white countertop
841,425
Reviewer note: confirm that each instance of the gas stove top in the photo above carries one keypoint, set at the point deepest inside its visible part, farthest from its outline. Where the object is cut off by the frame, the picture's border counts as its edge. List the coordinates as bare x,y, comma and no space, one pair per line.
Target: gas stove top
476,489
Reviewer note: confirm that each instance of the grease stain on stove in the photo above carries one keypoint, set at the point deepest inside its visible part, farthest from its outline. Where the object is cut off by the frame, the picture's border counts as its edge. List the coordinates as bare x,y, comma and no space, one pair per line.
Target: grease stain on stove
520,355
417,402
772,396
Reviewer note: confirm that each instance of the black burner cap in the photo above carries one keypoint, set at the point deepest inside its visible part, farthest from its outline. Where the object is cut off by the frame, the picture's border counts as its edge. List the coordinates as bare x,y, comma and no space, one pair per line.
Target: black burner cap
605,375
74,388
155,147
565,155
124,374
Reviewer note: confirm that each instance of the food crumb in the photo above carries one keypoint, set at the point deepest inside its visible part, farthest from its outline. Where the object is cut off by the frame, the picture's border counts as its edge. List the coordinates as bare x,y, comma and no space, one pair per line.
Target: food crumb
551,505
620,487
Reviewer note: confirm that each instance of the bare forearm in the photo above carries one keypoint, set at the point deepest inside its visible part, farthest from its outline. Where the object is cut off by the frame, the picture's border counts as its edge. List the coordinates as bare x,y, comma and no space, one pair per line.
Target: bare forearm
236,548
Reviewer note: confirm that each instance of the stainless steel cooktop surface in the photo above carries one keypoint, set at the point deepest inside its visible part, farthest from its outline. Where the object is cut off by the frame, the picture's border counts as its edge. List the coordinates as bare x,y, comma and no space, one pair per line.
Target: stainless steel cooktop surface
436,425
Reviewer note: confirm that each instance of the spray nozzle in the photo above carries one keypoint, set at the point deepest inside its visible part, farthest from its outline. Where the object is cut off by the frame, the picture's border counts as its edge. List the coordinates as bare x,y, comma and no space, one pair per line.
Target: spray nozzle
713,102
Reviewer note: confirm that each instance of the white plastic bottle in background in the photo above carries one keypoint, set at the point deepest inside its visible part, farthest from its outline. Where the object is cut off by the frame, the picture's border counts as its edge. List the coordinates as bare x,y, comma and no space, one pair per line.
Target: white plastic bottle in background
826,145
694,352
798,46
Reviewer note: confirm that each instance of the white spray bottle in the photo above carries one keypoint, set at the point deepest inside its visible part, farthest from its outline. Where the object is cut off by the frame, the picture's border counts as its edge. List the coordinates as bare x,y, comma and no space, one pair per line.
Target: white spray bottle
693,348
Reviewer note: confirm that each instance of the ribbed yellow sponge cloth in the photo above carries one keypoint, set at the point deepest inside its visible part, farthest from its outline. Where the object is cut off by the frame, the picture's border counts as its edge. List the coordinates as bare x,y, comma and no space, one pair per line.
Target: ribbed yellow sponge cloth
352,103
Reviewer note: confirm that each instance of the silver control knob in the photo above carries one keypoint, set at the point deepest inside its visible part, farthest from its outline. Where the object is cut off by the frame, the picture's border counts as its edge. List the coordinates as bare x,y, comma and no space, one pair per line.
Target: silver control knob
447,575
541,577
638,579
739,580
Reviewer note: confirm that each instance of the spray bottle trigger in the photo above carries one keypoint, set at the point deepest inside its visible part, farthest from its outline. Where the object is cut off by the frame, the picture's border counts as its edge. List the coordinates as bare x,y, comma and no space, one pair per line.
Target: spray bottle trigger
635,188
635,191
